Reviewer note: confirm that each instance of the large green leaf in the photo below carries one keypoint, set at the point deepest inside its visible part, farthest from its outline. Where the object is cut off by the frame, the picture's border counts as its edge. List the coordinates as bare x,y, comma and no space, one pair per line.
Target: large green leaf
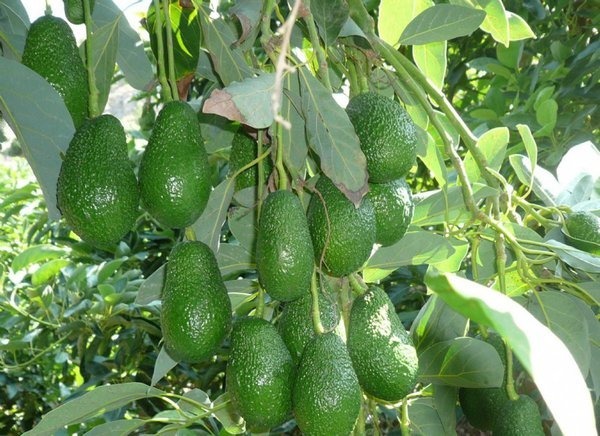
37,115
234,259
431,60
391,24
492,144
36,254
331,135
118,427
425,419
163,364
436,322
330,17
208,227
151,288
14,23
496,19
101,399
541,353
293,139
441,23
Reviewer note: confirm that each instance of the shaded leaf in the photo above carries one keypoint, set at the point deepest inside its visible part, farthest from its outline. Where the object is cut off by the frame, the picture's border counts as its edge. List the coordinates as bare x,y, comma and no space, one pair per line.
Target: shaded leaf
36,254
227,416
431,60
151,288
248,12
425,419
518,28
48,271
330,16
391,24
163,364
242,223
436,322
14,24
543,183
234,259
293,140
118,427
492,145
576,258
208,227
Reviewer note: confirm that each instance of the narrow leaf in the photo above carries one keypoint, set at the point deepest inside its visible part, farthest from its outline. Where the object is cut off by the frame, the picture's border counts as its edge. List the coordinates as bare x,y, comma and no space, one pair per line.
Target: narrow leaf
149,291
234,259
576,258
293,140
119,427
492,145
164,363
208,227
543,183
14,24
36,254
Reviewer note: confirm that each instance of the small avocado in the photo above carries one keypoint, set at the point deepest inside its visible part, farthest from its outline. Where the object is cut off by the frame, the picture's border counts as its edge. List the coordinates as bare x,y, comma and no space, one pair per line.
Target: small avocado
382,353
196,310
584,231
260,374
284,251
344,233
520,417
97,191
394,209
326,397
51,51
175,178
243,151
387,135
74,10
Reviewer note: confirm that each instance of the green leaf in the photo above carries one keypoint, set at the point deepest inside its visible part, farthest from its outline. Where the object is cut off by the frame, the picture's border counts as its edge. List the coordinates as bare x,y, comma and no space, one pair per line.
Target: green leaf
541,353
425,419
150,290
431,155
248,13
163,364
530,147
197,395
492,145
101,399
217,132
234,259
14,24
496,20
331,135
441,23
461,362
37,115
109,268
240,291
436,322
293,140
48,271
510,56
431,60
543,183
518,28
547,114
391,24
118,427
248,101
454,262
208,227
576,258
227,416
37,254
242,222
330,16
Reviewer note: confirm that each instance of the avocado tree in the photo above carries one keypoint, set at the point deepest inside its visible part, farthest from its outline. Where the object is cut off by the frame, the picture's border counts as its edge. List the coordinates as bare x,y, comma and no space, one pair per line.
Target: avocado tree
324,175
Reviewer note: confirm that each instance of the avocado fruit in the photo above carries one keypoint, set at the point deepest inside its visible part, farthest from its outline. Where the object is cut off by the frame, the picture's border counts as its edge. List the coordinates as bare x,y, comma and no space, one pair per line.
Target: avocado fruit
394,210
175,177
387,135
284,251
74,10
383,355
51,51
326,397
520,417
97,191
196,310
343,235
583,231
260,374
244,150
296,323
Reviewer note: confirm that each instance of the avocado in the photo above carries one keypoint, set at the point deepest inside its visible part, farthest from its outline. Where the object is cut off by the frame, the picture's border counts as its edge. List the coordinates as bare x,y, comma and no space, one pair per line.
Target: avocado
382,353
196,310
326,397
296,324
284,251
387,136
260,374
243,151
51,51
74,10
394,209
175,179
97,191
344,232
584,231
520,417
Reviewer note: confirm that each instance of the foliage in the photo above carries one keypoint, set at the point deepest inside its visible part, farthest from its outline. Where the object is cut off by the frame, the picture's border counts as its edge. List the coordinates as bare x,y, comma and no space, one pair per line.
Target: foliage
506,126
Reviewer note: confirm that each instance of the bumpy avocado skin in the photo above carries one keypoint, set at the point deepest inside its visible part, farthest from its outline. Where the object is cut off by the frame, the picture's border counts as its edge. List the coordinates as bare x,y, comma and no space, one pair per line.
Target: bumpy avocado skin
284,251
296,324
51,51
97,190
394,210
344,232
175,179
243,151
519,418
382,353
326,397
196,310
584,231
387,136
74,10
260,374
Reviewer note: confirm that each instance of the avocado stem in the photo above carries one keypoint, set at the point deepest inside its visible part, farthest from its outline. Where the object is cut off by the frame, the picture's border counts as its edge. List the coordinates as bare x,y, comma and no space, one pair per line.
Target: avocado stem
510,381
404,421
316,313
358,285
282,177
160,61
260,307
172,78
93,101
261,173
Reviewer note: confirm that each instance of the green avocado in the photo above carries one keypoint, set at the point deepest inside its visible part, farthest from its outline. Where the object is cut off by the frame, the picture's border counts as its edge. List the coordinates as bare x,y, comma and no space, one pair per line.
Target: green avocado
382,353
394,209
51,51
296,323
387,135
260,374
74,10
584,231
284,251
97,191
243,151
326,397
196,310
175,179
519,418
344,233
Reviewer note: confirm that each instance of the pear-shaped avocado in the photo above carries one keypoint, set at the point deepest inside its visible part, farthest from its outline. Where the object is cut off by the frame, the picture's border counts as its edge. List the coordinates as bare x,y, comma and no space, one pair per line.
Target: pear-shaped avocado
51,51
284,251
394,209
260,374
97,190
343,235
196,310
243,151
520,417
74,10
174,173
326,397
382,353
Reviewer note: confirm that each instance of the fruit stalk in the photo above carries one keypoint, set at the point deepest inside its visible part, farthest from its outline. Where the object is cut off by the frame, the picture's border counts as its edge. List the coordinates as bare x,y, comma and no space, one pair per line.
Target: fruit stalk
316,314
160,64
261,172
93,101
172,78
282,178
